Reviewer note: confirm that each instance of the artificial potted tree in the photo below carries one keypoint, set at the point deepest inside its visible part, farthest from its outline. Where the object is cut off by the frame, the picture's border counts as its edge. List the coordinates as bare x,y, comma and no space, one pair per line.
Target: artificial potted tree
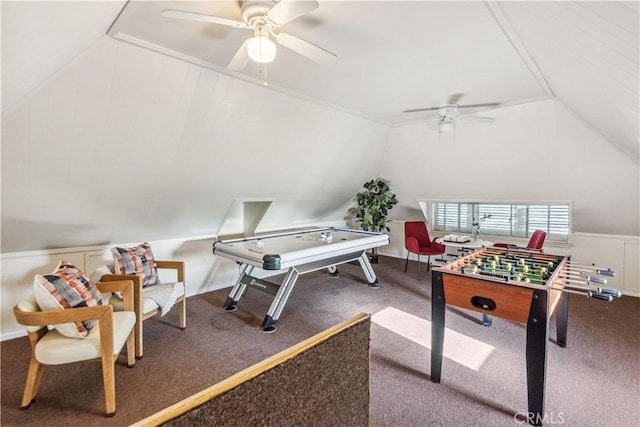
372,207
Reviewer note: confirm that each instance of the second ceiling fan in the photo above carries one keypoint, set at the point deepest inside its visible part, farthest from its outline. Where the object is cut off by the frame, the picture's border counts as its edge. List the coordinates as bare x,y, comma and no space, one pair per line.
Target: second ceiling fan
450,112
263,17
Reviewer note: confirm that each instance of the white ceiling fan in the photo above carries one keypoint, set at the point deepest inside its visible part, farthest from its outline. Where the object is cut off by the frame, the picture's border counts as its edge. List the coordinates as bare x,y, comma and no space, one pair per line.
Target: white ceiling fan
263,17
450,112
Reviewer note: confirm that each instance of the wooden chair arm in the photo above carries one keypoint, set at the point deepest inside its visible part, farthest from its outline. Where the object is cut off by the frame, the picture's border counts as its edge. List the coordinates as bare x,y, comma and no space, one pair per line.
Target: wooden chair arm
137,288
53,317
124,286
137,280
173,265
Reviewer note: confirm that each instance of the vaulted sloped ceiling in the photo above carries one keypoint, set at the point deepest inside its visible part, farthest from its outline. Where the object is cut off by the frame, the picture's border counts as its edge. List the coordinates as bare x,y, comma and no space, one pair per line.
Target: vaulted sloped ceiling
40,38
588,53
392,55
70,91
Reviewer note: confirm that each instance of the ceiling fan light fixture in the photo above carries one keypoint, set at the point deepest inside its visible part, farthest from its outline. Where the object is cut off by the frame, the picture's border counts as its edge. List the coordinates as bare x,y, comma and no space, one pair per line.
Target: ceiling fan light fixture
260,48
446,126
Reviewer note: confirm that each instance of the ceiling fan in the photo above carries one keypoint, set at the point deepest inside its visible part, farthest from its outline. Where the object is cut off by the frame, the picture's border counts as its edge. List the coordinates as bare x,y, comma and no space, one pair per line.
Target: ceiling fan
263,17
450,112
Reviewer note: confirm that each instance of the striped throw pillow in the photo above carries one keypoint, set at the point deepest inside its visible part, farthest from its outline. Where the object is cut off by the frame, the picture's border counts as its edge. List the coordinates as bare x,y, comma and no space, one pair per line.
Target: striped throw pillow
137,260
67,287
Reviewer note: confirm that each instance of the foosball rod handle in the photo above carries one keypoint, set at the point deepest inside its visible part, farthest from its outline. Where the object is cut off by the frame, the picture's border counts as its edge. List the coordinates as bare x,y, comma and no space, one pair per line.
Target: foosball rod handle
601,271
607,291
596,295
596,279
608,272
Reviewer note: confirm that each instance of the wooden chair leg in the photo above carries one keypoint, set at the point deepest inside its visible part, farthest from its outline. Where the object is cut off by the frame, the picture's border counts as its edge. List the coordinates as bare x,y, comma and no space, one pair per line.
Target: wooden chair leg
33,383
131,350
108,378
139,337
108,362
182,306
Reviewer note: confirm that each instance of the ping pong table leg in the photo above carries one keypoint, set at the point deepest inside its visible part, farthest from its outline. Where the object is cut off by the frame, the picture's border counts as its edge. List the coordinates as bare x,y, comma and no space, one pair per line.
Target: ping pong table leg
238,289
368,270
270,320
333,271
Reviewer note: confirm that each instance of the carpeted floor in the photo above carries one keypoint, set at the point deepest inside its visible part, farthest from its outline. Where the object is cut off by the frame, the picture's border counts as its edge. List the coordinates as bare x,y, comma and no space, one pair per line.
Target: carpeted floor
594,381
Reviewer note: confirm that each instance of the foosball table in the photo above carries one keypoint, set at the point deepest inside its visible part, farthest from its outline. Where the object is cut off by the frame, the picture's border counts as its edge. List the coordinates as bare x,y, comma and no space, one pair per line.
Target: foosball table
519,285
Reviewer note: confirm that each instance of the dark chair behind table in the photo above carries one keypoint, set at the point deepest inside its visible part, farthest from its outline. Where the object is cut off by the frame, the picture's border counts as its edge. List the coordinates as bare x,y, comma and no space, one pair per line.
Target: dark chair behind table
417,241
535,242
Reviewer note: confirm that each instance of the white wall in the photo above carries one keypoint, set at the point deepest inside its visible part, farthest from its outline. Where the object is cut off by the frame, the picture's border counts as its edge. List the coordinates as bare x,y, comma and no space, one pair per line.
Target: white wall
537,151
129,145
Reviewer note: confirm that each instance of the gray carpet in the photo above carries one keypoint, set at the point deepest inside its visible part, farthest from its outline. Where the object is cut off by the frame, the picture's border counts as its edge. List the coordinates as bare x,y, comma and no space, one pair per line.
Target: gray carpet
595,381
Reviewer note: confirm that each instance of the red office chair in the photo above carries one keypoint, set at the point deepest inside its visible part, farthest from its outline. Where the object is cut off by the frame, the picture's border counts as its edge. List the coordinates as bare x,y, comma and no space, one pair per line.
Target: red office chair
535,242
417,241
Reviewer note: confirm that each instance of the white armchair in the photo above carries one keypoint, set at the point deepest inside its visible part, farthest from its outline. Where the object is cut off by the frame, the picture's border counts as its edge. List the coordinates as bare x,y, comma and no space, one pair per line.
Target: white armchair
103,342
145,306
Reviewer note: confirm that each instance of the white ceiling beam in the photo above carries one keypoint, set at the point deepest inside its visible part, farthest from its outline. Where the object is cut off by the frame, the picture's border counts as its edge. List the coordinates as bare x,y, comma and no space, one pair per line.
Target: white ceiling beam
505,25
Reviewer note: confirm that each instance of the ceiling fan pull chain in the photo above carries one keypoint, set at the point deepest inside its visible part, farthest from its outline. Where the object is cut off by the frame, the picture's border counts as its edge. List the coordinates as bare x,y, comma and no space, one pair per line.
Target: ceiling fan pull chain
263,71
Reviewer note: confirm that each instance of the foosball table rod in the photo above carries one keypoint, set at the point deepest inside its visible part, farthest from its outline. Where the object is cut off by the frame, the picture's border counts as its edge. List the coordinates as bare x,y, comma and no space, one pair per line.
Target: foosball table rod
591,269
603,294
587,279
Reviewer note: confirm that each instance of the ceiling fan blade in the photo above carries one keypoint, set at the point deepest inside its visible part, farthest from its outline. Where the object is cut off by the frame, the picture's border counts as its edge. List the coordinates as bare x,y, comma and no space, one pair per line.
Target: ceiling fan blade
193,16
492,104
240,59
304,48
453,99
477,118
288,10
419,110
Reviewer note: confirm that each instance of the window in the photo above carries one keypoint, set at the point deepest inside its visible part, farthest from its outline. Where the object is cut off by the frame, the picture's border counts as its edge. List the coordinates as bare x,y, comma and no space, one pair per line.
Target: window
517,220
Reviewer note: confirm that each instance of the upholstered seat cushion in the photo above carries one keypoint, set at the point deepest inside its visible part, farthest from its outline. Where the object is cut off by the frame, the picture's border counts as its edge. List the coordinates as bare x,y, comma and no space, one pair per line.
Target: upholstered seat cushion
56,349
152,299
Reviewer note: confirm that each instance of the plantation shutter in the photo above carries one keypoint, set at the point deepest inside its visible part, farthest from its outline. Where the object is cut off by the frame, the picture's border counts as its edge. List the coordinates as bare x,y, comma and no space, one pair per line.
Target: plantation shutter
503,219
